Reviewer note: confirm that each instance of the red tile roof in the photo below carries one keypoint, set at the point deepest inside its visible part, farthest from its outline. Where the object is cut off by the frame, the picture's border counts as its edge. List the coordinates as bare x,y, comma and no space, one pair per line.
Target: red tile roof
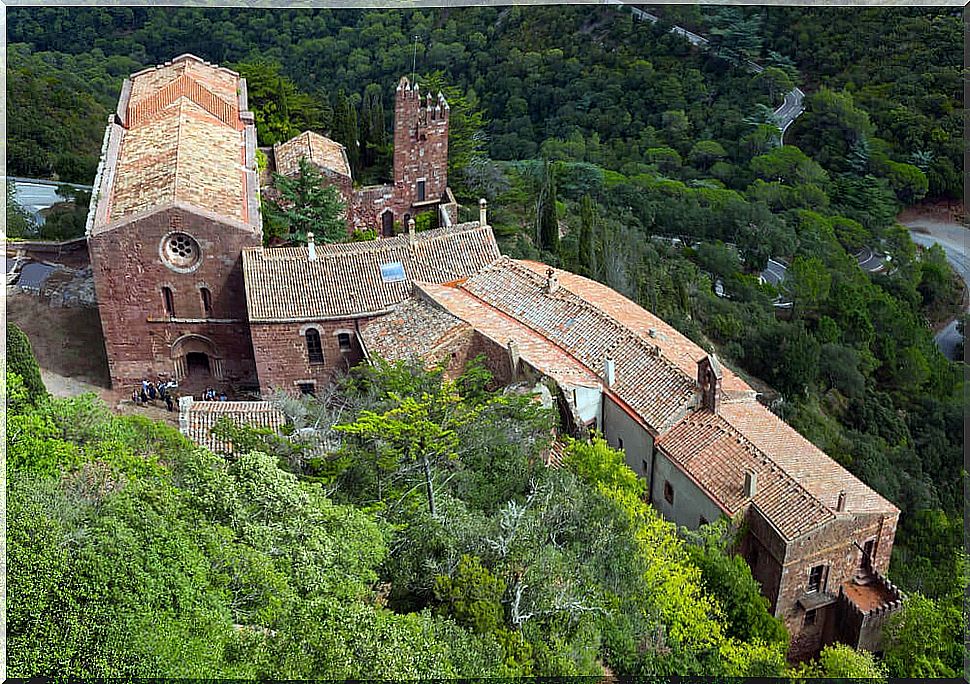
197,421
646,380
179,138
346,281
573,328
322,151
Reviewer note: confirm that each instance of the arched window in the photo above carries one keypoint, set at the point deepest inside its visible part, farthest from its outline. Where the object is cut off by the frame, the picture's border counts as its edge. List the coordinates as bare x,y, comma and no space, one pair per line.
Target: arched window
169,301
314,350
206,301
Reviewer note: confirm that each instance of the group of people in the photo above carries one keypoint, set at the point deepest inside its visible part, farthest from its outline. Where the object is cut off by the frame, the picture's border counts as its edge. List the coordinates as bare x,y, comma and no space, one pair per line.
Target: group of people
166,390
152,391
211,395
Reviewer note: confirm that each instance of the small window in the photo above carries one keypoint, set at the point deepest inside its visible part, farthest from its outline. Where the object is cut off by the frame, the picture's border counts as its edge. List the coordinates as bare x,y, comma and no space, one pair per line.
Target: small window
314,350
645,466
169,301
343,339
307,388
392,272
701,521
810,617
668,492
206,301
421,190
619,443
816,577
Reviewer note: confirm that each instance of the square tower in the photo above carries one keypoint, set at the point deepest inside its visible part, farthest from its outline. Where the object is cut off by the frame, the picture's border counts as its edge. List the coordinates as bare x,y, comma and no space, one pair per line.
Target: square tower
420,147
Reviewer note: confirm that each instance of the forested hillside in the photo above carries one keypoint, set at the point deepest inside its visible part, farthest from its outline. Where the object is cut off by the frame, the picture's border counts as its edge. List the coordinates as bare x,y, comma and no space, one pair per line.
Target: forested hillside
591,135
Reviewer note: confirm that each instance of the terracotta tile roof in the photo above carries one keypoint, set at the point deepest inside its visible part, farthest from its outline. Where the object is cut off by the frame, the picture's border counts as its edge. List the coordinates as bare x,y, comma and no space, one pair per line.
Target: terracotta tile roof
675,346
801,459
534,348
197,421
797,485
181,138
654,387
222,82
346,280
321,151
414,329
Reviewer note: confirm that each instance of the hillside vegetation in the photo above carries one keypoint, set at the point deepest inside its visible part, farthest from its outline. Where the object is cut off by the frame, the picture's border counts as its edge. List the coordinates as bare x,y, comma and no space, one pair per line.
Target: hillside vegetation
591,135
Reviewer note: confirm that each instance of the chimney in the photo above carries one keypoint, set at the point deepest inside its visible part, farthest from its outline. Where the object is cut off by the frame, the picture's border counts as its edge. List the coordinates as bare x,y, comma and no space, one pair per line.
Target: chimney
411,231
514,357
750,484
311,248
840,506
482,214
552,282
609,371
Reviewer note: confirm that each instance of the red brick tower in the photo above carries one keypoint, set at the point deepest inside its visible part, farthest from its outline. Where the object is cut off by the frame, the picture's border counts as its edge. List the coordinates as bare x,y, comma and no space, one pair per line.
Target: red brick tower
420,148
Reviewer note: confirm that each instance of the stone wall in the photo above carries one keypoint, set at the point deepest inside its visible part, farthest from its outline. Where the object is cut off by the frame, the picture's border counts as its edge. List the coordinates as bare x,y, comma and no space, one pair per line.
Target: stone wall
836,546
141,337
281,353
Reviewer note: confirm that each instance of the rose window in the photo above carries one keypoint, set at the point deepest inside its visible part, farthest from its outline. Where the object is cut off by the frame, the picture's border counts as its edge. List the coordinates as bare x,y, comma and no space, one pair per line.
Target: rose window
181,251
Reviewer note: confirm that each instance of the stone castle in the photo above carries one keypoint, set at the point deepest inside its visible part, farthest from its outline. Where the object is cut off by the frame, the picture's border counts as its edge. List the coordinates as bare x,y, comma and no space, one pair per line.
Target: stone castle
187,290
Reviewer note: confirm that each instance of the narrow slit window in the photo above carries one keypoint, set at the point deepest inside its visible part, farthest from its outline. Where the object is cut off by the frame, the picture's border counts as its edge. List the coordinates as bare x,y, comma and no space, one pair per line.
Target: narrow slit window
169,301
668,492
314,350
421,190
206,301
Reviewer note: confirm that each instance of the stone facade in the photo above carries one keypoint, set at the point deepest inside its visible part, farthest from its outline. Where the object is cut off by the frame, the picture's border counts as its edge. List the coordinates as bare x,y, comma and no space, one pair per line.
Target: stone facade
283,359
144,336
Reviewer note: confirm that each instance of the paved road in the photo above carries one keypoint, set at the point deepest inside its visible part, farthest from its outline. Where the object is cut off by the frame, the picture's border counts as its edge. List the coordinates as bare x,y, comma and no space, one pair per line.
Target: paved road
785,115
953,238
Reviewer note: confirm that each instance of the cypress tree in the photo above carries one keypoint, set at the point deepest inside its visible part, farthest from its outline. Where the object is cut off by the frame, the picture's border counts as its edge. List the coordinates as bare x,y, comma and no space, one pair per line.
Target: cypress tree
548,219
20,360
587,254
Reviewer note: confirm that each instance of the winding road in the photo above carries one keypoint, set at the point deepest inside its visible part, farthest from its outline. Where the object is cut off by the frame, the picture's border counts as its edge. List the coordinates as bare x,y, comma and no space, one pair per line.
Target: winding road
953,238
785,115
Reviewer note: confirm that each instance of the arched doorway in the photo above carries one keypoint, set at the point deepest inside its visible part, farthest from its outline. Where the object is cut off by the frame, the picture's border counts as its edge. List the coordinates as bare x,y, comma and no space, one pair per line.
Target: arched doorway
198,364
387,224
195,358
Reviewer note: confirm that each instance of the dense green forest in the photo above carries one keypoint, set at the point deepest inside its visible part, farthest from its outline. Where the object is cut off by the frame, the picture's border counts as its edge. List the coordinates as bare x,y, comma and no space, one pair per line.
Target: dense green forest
592,134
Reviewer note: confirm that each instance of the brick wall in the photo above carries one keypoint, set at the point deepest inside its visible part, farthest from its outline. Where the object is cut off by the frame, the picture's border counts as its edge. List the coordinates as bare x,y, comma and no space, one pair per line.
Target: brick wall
281,353
141,338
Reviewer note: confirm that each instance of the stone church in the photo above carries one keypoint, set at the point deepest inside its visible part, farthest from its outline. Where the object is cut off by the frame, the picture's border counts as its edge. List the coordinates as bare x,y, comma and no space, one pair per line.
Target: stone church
187,290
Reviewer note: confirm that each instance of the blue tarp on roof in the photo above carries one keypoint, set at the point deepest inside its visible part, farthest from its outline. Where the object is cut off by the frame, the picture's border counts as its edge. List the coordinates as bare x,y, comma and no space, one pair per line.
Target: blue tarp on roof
34,275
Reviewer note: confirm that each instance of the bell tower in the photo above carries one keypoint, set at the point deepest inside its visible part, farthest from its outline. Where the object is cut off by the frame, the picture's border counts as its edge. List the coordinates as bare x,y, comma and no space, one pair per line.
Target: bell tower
420,147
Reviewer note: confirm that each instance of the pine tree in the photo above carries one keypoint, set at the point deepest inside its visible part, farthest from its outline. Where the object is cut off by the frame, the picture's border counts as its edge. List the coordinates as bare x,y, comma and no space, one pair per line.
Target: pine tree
306,204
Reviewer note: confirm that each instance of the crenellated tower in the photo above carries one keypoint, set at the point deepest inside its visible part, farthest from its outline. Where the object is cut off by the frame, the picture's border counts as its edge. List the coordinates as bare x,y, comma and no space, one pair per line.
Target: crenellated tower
420,147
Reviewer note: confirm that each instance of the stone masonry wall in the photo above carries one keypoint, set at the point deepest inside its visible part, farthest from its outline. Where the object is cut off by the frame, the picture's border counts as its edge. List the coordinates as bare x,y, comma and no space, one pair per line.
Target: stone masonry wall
835,547
129,275
281,353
